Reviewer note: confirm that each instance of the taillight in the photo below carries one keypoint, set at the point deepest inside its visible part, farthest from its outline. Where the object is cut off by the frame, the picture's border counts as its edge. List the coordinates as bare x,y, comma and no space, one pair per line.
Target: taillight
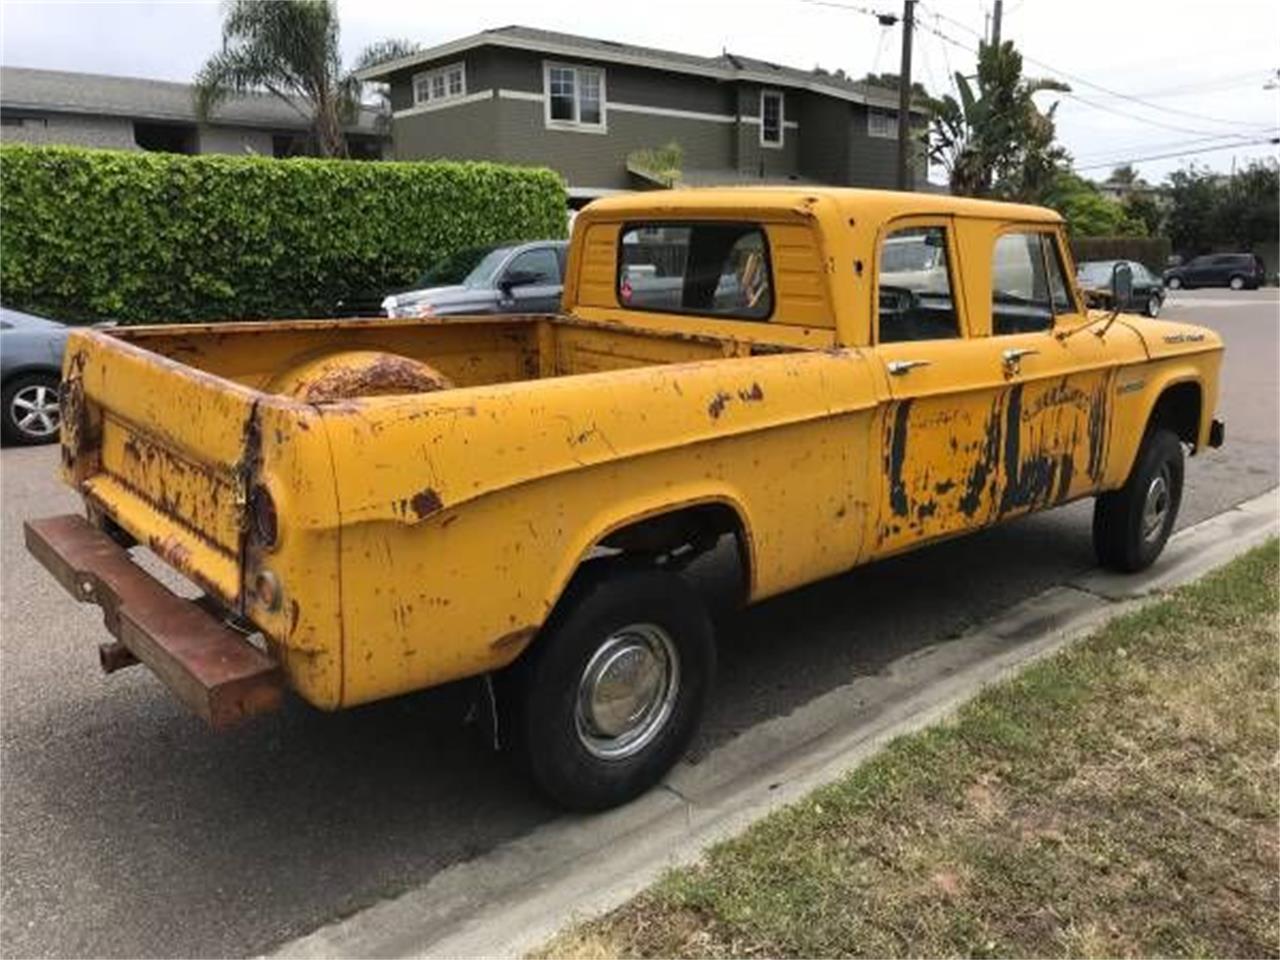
262,516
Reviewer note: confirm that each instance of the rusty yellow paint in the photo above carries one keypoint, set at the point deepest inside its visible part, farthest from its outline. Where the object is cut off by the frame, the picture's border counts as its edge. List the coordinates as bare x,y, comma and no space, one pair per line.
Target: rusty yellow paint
425,536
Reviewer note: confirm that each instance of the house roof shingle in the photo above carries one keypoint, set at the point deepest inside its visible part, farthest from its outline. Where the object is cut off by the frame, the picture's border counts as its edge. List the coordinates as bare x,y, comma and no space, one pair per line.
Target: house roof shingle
61,91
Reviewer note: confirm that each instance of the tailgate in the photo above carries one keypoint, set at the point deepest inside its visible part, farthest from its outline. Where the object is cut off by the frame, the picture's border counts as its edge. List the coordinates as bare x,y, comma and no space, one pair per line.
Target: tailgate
160,448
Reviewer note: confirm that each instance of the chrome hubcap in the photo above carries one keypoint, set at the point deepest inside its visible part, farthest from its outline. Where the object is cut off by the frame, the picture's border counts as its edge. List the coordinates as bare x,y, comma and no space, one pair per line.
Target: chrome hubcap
34,410
627,691
1156,509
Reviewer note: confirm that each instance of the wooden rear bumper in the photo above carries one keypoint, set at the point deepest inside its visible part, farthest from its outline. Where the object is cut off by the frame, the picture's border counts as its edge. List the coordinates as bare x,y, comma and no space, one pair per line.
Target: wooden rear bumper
208,665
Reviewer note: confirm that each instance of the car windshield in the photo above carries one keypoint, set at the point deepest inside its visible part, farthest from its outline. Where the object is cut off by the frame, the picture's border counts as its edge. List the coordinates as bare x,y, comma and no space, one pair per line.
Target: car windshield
472,267
1096,273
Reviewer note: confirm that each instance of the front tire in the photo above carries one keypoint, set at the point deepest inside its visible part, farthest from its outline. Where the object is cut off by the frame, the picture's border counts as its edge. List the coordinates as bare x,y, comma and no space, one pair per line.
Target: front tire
30,409
1131,525
1175,283
608,697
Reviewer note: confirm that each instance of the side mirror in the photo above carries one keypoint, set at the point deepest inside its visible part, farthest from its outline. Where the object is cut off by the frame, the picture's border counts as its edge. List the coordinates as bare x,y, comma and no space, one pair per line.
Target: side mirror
1121,286
517,278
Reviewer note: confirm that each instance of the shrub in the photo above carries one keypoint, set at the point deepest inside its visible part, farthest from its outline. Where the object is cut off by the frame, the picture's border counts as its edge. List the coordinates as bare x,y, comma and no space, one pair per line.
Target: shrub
159,238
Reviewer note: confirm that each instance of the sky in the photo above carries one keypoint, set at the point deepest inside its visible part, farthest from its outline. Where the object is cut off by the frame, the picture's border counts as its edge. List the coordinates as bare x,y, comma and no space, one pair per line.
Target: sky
1149,77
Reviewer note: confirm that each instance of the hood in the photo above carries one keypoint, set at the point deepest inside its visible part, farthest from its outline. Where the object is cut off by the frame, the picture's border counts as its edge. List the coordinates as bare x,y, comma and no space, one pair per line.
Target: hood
437,298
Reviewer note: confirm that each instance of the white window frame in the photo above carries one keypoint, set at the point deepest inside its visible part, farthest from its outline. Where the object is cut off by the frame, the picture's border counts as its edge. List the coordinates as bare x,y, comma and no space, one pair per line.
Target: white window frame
889,129
782,119
424,81
574,124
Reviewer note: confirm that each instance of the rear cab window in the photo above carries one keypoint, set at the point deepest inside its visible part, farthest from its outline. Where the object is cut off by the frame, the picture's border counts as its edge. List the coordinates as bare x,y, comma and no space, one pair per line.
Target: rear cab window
708,269
1028,283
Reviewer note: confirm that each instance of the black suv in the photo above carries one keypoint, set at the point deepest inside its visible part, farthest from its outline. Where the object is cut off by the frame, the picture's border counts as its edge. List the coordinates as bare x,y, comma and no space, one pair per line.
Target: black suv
1239,271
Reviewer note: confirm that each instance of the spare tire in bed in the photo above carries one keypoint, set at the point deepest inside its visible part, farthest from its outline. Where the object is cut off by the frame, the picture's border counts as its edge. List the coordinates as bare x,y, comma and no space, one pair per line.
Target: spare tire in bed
358,373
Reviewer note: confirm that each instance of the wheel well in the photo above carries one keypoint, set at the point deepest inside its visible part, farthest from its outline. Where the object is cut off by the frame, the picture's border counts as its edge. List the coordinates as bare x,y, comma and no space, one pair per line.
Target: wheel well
1178,409
671,540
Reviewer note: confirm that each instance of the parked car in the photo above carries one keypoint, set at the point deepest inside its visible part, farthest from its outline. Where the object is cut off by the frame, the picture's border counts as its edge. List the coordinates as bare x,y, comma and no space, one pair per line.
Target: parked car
1094,277
505,278
30,369
393,506
1239,271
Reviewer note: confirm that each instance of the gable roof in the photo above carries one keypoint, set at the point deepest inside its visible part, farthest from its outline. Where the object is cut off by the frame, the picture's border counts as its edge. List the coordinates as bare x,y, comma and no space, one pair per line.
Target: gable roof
726,66
62,91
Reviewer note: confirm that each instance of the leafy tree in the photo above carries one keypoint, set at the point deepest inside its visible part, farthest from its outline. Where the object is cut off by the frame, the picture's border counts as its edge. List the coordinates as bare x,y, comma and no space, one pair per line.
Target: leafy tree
994,141
1142,207
1087,211
889,81
1249,206
290,49
1193,212
1125,175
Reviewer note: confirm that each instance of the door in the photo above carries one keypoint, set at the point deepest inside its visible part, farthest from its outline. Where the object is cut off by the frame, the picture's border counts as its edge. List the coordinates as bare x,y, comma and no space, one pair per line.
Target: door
994,411
1059,372
531,283
941,424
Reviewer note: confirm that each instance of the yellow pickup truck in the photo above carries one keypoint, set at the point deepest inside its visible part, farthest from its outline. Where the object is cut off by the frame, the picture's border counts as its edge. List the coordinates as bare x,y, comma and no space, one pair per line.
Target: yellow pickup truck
826,376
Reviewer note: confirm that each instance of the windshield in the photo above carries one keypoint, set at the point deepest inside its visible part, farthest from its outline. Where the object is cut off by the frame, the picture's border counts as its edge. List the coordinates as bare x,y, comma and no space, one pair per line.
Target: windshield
1099,273
473,267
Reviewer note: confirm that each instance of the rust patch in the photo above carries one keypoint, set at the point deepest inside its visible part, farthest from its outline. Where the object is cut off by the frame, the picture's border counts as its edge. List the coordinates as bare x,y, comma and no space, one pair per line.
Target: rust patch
294,611
717,404
425,502
516,638
897,457
380,375
754,395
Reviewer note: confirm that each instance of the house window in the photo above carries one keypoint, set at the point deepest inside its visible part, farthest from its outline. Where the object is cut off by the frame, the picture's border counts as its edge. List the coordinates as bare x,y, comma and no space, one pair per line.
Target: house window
771,118
443,83
575,96
882,124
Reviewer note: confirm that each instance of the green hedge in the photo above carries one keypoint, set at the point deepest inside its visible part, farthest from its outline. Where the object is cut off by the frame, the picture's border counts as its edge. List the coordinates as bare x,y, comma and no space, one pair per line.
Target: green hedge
156,238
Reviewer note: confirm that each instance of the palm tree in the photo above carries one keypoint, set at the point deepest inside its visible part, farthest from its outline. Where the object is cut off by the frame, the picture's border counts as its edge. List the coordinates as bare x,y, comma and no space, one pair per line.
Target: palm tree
290,49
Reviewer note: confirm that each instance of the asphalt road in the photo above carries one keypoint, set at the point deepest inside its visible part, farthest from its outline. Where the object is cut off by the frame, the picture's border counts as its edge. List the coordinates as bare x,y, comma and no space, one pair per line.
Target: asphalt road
126,829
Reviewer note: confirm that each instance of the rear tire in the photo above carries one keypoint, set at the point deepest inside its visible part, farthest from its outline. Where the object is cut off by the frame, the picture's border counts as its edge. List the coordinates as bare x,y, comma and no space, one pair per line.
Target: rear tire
1175,283
1131,525
609,695
1153,306
1236,283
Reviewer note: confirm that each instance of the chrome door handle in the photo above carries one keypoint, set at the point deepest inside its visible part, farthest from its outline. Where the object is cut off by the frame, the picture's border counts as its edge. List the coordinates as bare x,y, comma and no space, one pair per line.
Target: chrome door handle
1012,358
898,367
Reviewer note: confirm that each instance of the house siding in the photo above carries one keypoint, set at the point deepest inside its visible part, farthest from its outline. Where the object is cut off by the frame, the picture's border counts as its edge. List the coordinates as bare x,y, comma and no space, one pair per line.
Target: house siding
464,132
76,130
235,140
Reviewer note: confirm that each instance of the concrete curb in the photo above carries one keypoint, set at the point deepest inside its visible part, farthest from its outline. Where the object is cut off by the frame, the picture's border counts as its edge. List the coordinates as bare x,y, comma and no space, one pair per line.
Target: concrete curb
514,898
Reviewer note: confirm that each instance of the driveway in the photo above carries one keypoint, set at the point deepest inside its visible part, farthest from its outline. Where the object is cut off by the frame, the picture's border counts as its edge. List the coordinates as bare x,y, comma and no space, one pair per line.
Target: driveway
127,829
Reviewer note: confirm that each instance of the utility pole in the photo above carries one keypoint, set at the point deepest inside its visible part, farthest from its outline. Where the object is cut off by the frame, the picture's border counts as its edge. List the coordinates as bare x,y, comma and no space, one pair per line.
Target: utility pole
904,97
995,23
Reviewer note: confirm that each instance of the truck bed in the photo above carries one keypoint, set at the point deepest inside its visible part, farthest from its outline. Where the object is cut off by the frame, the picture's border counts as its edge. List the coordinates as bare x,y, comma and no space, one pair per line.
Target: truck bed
470,351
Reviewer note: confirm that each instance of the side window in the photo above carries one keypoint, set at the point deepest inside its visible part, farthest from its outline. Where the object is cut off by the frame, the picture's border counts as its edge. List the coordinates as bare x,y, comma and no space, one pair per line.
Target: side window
915,299
540,263
1027,284
716,269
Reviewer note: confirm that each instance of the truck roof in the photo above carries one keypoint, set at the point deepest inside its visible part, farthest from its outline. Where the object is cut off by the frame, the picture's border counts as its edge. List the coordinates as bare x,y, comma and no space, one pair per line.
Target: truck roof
880,204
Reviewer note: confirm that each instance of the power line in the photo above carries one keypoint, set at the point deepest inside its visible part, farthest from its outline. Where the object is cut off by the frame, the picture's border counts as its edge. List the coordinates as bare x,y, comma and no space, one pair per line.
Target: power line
1165,145
1085,101
1076,78
1182,153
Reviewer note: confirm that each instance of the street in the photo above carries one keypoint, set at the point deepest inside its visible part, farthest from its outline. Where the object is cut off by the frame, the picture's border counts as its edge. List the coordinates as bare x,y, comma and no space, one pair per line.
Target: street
130,830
